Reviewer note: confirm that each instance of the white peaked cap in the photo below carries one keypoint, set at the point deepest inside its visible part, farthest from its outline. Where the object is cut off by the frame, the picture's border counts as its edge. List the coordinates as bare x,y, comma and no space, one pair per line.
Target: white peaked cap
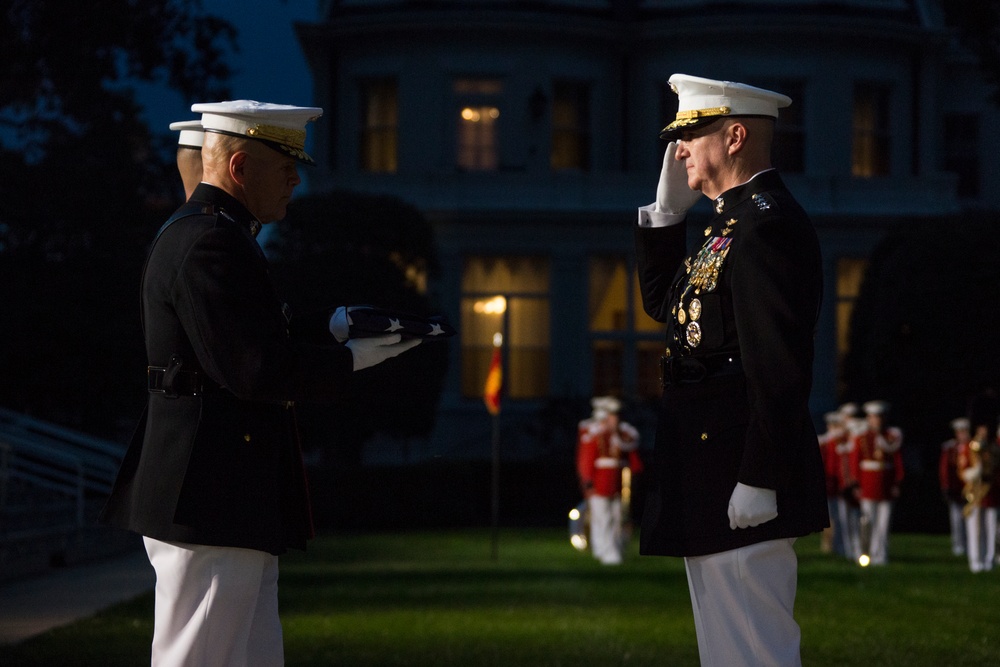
280,126
701,101
192,134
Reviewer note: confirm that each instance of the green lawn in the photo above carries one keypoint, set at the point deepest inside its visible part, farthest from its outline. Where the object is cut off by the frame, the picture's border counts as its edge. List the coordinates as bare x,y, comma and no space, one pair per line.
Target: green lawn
438,598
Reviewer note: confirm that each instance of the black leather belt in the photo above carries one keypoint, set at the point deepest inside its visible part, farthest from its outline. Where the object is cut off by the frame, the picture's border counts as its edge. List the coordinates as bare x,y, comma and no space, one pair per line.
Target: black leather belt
177,383
691,370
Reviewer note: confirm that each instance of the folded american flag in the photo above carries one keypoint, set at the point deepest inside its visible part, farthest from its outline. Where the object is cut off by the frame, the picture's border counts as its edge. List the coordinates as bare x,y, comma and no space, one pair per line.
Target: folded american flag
366,321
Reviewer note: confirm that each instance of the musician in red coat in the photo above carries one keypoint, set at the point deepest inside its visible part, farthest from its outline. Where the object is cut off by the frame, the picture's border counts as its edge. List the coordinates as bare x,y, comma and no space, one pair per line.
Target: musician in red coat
877,464
951,483
977,466
606,446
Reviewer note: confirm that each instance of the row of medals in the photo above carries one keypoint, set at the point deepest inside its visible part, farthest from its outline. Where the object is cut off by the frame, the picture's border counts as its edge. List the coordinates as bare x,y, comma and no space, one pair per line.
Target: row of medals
703,274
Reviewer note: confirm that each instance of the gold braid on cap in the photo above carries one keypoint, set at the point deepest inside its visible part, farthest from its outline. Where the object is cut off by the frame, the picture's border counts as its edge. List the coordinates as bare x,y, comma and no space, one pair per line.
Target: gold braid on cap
695,114
685,118
281,135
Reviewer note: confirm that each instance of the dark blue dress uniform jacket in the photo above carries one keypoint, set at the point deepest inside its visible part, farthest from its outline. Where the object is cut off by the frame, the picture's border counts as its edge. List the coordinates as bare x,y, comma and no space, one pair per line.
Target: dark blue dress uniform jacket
753,426
223,467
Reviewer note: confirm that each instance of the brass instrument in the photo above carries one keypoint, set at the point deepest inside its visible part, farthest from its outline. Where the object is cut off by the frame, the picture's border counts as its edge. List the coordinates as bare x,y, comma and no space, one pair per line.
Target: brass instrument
982,453
626,504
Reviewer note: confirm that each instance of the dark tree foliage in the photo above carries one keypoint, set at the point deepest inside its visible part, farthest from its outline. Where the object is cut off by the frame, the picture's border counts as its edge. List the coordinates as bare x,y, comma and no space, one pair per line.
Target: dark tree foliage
926,326
85,187
344,248
68,66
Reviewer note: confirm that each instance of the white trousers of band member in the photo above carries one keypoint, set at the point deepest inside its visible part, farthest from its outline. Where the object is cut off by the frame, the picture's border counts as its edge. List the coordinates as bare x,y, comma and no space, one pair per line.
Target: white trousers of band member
606,528
851,521
215,606
743,606
878,513
957,522
981,528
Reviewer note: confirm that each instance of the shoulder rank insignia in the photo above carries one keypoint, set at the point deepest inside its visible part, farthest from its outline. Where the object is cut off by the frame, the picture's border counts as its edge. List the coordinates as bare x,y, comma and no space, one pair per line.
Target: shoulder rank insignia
762,202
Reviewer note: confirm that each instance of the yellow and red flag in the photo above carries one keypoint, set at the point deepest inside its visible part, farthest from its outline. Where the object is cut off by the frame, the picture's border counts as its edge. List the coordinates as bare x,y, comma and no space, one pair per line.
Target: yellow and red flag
494,381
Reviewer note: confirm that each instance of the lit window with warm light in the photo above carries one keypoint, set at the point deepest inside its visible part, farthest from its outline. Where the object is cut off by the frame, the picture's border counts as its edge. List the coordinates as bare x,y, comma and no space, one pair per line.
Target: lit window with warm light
507,295
478,118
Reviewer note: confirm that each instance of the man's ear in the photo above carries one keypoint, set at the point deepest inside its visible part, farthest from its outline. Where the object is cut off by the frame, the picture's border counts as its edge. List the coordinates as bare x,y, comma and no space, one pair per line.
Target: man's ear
237,167
737,137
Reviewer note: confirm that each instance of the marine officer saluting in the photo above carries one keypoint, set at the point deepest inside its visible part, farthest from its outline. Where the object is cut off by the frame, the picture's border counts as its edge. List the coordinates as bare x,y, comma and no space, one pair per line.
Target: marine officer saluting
737,475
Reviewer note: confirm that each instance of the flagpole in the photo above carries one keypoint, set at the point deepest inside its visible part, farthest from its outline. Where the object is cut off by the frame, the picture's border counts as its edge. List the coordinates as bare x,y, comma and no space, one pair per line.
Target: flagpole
491,396
495,504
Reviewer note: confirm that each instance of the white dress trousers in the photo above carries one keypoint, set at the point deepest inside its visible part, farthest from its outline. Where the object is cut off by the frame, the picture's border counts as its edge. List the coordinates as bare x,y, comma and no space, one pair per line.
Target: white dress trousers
606,529
743,603
215,606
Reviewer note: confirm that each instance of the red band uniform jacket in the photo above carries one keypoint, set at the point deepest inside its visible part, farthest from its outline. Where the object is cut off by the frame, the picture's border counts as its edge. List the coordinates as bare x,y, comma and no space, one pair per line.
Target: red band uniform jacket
877,464
750,294
222,467
602,453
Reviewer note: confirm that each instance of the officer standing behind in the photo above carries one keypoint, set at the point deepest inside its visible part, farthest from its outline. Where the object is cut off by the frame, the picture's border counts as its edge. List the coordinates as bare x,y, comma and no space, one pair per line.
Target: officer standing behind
736,475
189,141
213,478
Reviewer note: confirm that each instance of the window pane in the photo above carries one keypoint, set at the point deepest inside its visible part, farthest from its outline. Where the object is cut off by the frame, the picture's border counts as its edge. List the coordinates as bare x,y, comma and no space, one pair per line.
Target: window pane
961,151
508,295
850,275
607,294
477,118
477,138
379,123
495,275
527,344
570,124
607,356
788,153
870,147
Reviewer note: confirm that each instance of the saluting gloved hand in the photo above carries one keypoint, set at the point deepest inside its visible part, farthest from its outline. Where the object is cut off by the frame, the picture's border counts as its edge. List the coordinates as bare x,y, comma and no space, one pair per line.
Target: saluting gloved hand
376,349
751,506
672,193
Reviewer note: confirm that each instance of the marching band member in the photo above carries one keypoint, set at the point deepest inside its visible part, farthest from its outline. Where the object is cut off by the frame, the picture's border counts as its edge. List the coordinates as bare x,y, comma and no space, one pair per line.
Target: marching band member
951,483
877,464
833,537
977,459
605,446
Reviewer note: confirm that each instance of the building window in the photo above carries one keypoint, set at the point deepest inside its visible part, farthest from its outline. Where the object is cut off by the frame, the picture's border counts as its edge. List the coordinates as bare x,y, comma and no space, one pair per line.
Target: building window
507,295
961,151
870,144
850,276
379,125
570,126
626,344
478,118
788,152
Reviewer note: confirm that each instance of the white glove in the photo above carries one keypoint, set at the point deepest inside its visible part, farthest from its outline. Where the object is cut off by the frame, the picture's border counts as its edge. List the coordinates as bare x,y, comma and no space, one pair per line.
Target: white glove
751,506
340,324
972,473
672,193
376,349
